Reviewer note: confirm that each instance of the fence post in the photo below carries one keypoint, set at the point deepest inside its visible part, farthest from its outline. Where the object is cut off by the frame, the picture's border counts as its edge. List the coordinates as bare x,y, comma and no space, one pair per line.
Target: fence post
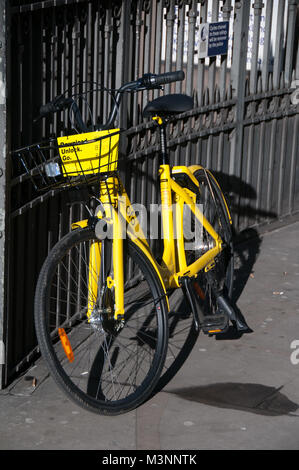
238,80
123,59
3,181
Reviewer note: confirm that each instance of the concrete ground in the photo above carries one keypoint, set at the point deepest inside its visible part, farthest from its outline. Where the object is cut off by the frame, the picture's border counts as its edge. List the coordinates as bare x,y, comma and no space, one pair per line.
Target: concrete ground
234,393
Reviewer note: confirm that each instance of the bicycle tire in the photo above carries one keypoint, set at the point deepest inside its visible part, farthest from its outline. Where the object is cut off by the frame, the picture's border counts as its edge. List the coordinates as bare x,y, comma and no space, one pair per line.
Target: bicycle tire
99,378
215,209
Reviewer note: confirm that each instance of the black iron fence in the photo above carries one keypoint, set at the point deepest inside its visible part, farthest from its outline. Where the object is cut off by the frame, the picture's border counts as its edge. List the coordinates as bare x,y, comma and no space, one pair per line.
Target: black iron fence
244,125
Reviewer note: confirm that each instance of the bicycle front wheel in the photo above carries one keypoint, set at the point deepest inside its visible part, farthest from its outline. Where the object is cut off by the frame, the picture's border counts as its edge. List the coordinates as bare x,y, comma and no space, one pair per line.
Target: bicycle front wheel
105,366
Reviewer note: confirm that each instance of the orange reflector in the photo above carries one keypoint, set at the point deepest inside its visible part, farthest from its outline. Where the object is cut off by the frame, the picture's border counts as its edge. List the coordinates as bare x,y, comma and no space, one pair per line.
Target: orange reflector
66,344
215,331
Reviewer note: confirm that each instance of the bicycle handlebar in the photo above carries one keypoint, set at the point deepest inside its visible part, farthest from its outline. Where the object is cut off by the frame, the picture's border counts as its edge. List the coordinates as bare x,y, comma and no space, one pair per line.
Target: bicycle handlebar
146,82
152,80
58,104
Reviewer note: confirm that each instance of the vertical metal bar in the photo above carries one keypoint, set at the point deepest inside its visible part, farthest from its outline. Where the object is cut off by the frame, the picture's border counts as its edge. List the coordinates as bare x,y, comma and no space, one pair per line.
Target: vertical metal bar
180,42
267,45
53,56
170,18
147,38
100,55
297,65
27,75
211,85
158,42
259,176
16,70
138,23
44,73
192,14
292,8
220,153
294,157
271,164
153,29
96,63
201,62
212,61
257,6
4,182
248,169
238,79
226,9
277,67
147,46
282,165
74,54
209,151
141,51
107,36
64,77
86,49
123,57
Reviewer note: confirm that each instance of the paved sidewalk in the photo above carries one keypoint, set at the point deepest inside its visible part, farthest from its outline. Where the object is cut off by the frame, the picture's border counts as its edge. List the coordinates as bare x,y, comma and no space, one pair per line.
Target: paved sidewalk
240,393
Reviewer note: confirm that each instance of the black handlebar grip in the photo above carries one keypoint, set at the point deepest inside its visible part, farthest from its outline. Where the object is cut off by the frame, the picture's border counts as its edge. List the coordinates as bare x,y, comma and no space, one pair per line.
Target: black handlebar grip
168,77
58,104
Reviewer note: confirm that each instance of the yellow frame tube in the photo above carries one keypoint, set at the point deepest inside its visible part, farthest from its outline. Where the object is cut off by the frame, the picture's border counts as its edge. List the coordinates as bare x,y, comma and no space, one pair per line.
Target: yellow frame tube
180,246
167,218
118,264
94,267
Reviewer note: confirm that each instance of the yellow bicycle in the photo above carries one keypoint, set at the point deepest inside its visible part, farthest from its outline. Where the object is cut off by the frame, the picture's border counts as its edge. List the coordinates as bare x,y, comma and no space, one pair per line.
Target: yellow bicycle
102,299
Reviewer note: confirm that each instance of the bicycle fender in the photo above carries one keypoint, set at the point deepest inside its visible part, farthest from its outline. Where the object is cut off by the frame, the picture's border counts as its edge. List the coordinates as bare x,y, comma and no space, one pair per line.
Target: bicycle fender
80,224
194,168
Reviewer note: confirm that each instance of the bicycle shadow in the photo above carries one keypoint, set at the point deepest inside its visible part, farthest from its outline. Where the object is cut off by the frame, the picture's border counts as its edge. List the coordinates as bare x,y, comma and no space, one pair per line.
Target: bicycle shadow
182,333
250,397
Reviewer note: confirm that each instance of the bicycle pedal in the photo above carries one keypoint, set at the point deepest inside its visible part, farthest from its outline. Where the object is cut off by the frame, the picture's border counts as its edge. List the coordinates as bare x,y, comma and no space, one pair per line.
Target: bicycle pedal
215,324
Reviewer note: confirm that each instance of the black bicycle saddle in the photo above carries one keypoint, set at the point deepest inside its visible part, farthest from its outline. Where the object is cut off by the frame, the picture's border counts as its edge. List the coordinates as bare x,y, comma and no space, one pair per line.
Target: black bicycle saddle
168,105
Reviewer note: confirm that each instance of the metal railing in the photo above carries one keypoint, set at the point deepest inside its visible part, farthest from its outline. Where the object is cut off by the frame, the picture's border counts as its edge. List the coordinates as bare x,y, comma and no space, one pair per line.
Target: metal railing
244,125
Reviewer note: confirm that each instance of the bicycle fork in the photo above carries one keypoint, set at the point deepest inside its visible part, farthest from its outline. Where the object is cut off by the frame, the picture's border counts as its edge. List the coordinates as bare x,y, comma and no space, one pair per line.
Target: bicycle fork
103,275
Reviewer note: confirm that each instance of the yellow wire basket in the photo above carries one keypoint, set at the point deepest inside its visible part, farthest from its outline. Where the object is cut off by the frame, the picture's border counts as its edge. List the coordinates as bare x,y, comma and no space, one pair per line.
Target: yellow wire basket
69,161
89,153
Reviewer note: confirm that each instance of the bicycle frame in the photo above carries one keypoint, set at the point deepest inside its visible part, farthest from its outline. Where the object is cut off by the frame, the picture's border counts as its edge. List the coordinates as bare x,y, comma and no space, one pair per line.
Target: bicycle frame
120,215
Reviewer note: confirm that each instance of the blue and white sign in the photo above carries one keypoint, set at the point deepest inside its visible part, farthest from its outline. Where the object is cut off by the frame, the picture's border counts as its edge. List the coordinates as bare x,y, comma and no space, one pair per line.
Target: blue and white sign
213,39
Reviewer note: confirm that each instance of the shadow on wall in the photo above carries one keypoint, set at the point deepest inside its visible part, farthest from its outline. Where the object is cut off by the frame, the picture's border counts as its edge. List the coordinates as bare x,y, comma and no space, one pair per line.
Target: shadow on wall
236,190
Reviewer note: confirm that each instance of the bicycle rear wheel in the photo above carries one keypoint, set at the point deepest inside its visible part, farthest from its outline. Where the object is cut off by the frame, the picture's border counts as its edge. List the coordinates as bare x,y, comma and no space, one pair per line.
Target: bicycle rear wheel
221,275
103,365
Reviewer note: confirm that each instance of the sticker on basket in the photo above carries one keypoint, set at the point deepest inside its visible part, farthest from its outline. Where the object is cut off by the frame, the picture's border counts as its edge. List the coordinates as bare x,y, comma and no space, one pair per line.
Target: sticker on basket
89,153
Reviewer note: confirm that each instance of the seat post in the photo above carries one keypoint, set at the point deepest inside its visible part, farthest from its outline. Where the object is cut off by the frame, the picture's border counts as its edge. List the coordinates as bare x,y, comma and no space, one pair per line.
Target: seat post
164,157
